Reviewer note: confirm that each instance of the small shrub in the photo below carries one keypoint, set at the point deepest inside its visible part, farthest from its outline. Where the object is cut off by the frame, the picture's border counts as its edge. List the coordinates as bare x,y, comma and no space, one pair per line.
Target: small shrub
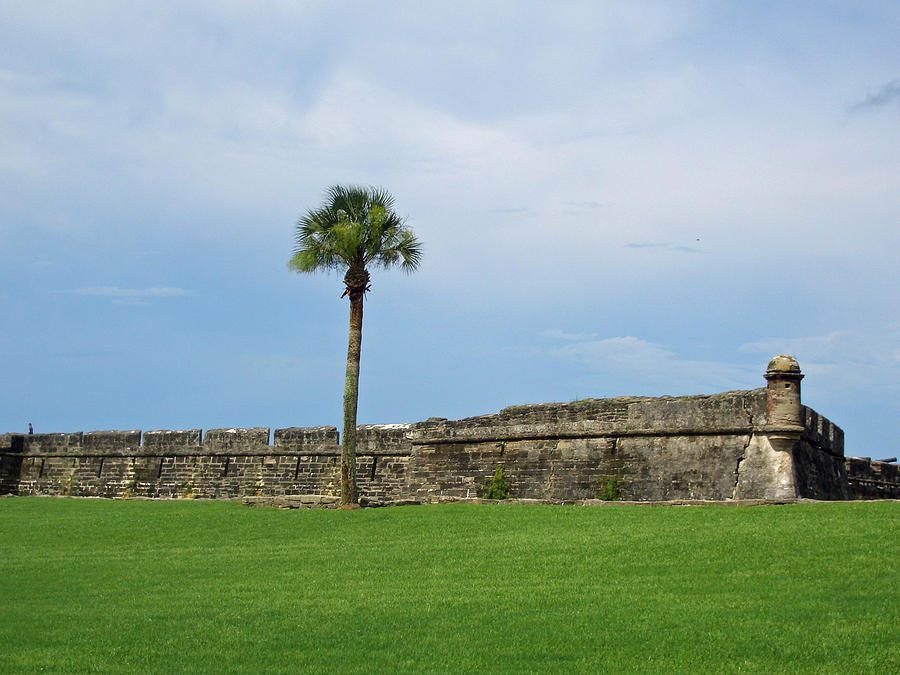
497,487
610,489
188,490
129,489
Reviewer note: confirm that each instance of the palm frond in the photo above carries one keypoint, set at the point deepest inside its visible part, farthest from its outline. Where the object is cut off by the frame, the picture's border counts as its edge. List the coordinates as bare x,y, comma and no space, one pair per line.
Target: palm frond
355,227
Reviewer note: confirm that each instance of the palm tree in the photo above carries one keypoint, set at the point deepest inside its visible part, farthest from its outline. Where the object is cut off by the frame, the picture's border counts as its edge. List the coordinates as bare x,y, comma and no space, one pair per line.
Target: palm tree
355,228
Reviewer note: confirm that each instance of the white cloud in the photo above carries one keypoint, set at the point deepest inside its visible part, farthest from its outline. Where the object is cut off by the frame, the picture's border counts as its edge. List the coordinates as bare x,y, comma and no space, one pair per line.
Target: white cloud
563,335
553,158
873,345
841,343
668,146
846,361
657,368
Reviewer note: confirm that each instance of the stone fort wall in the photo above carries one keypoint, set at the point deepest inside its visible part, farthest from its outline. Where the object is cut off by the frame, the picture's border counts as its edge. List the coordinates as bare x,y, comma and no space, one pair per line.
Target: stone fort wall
758,444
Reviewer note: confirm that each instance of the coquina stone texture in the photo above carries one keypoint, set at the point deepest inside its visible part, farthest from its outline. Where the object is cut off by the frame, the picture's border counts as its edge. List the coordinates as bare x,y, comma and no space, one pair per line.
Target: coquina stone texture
739,445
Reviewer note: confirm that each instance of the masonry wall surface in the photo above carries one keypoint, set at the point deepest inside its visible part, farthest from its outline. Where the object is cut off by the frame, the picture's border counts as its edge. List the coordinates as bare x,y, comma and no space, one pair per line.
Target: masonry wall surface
659,448
872,479
695,447
819,459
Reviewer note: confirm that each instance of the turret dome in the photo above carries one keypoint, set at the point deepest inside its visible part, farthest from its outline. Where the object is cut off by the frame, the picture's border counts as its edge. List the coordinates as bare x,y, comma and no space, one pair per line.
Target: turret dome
783,364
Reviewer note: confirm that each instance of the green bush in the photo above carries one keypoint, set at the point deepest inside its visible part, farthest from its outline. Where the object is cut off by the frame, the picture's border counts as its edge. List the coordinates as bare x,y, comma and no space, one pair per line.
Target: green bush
610,489
497,487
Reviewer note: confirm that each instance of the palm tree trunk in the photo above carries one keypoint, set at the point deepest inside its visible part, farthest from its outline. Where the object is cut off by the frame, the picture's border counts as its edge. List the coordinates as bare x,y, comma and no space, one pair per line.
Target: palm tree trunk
349,492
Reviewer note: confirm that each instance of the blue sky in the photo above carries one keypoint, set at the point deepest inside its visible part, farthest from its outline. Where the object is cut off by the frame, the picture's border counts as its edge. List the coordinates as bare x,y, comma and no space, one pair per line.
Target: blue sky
614,197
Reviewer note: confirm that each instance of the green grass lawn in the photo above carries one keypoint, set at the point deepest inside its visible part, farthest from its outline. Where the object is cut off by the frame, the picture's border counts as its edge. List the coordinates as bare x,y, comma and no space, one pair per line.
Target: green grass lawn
131,586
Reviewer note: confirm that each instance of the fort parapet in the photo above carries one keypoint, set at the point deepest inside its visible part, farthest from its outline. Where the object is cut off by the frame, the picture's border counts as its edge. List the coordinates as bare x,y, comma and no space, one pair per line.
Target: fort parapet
757,444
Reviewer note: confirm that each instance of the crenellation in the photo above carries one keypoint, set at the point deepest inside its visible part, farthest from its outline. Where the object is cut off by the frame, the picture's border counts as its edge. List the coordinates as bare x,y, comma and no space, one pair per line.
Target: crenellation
255,440
10,443
872,479
110,441
837,440
307,440
383,439
52,443
163,440
822,433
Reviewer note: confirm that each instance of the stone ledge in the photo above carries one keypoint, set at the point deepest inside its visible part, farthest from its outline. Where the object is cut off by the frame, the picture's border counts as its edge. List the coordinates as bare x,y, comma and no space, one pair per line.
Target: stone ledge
331,502
294,502
504,435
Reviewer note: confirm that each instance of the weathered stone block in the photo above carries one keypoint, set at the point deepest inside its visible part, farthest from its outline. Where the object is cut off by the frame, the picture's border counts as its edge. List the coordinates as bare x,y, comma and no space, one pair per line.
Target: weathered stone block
729,411
52,443
307,440
766,470
163,440
383,439
110,441
235,441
